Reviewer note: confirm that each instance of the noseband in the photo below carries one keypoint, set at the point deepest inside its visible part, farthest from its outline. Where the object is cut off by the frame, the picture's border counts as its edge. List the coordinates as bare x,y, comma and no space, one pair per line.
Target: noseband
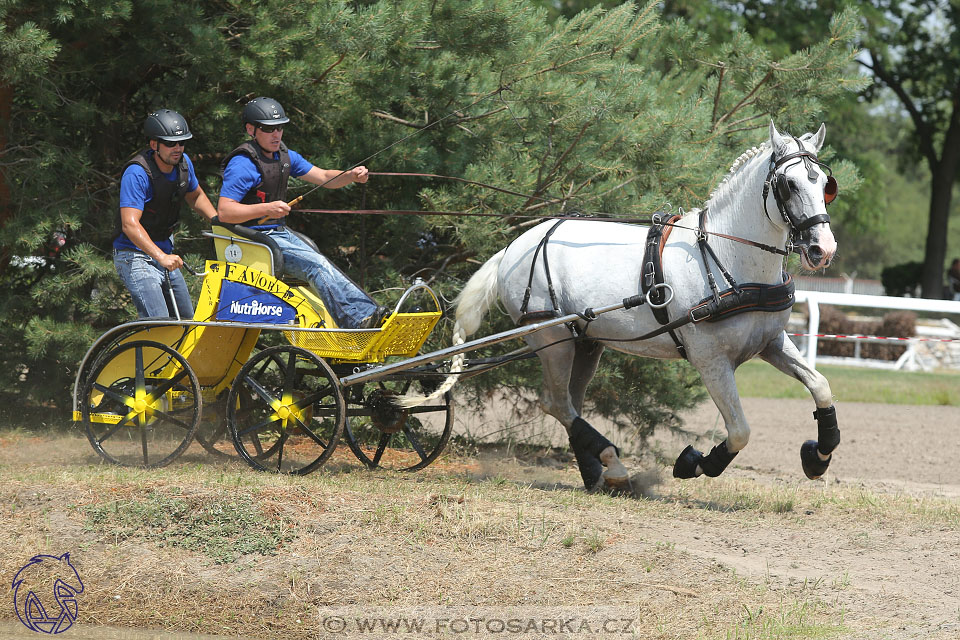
781,190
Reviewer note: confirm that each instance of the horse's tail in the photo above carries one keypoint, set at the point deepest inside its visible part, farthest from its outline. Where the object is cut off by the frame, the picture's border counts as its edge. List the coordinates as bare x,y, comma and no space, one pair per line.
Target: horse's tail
477,297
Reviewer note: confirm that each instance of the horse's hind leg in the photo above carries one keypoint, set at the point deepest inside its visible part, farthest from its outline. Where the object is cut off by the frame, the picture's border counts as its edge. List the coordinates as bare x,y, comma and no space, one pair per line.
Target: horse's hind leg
814,454
586,358
555,397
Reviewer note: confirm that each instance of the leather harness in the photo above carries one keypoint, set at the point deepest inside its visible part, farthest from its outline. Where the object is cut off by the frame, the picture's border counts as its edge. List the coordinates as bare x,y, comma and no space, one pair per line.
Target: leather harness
720,305
737,299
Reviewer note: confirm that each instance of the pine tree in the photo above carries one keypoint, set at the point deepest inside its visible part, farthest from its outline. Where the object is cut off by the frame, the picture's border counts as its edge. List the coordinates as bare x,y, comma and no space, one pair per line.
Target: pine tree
611,111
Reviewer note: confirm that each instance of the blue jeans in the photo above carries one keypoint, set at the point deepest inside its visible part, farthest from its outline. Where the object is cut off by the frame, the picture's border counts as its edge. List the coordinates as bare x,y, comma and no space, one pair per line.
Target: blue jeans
347,303
149,288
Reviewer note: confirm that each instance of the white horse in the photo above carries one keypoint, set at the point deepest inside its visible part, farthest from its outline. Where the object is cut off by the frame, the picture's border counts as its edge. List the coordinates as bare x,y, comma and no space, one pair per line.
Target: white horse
593,263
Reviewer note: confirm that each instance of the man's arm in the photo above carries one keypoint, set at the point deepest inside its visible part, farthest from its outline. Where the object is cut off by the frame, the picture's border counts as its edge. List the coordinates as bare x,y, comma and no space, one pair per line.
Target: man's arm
234,212
334,179
239,176
130,222
200,203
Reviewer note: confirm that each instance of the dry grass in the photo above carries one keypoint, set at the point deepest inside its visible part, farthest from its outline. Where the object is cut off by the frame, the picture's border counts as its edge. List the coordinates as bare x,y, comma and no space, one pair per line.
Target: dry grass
218,548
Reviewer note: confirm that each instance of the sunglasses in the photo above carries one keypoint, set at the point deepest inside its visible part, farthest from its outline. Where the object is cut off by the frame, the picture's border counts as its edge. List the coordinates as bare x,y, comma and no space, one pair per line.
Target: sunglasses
270,128
170,145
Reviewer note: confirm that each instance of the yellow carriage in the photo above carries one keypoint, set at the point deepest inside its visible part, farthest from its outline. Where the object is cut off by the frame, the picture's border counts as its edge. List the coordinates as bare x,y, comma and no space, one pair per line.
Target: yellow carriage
263,363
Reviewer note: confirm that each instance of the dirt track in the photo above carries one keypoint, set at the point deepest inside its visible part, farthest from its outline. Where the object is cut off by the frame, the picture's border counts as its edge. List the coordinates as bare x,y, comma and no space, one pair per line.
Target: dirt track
888,572
886,449
874,549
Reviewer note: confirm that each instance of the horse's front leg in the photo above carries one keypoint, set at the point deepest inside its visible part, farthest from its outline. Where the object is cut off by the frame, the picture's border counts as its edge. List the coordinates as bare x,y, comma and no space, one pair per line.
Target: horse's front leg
815,455
718,378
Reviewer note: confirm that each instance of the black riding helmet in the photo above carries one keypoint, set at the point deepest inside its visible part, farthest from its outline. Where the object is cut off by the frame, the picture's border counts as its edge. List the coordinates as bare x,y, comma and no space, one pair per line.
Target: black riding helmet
266,111
166,125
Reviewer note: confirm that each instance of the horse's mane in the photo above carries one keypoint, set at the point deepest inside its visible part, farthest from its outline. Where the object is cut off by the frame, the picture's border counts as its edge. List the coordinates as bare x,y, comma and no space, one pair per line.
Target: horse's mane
738,164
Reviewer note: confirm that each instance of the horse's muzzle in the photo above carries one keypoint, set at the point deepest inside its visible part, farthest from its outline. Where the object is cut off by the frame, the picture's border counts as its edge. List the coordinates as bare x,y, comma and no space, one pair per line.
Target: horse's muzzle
818,251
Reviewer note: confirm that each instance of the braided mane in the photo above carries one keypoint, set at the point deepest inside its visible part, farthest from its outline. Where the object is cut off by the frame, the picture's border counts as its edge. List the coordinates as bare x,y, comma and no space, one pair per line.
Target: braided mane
743,159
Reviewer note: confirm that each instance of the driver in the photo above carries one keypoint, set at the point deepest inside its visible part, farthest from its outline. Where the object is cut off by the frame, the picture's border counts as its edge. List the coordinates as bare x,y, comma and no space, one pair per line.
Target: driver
153,186
254,194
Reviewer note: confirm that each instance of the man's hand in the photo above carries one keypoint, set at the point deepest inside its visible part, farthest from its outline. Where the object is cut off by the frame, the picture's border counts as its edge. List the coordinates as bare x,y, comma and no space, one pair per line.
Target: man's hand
276,209
360,174
170,261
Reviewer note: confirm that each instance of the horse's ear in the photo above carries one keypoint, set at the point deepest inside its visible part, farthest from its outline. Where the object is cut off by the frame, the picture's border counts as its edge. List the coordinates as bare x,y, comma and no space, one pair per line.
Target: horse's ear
776,140
821,135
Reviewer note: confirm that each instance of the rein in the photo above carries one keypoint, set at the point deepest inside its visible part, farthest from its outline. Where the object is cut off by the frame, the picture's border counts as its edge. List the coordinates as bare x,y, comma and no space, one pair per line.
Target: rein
654,219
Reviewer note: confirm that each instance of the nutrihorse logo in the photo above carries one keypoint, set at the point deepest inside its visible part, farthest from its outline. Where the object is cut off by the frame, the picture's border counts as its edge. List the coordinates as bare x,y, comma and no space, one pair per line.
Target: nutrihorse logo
45,594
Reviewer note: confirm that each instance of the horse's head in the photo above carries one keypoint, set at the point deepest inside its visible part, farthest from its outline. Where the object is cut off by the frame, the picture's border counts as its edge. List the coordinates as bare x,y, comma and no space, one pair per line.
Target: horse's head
799,186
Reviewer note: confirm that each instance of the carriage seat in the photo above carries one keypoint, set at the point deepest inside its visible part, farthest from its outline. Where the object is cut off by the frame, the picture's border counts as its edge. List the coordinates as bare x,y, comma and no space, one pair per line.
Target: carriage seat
257,250
253,248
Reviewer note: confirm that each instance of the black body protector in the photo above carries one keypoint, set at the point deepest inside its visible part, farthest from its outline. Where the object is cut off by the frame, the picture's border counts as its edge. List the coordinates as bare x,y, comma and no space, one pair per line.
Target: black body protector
161,214
274,173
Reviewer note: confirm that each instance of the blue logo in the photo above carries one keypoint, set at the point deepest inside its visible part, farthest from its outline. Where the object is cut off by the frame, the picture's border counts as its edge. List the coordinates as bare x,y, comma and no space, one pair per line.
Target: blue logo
243,303
51,580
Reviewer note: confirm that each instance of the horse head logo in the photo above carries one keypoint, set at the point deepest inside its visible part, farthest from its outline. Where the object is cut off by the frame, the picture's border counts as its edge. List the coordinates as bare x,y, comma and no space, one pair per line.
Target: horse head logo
38,580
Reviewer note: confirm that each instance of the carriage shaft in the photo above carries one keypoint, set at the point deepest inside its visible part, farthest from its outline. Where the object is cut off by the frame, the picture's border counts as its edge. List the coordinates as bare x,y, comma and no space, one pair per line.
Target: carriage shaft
383,371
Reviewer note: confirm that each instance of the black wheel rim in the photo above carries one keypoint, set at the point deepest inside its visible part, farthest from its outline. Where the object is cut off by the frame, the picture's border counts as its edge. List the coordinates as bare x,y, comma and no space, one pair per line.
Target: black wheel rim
383,436
285,411
141,404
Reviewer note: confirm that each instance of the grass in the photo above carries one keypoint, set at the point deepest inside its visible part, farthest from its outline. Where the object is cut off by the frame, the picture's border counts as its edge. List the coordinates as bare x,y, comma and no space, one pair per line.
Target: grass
222,526
219,548
851,384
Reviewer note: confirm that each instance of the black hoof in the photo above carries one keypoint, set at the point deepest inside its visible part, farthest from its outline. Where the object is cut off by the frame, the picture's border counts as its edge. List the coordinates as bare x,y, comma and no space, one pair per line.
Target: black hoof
686,464
813,466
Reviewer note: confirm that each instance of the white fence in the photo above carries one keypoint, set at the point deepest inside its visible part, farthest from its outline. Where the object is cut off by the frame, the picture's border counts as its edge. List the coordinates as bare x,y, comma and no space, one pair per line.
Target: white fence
843,284
909,360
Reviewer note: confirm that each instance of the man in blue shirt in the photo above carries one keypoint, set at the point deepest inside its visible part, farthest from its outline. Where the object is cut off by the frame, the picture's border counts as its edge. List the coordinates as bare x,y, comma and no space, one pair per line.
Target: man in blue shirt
254,194
153,186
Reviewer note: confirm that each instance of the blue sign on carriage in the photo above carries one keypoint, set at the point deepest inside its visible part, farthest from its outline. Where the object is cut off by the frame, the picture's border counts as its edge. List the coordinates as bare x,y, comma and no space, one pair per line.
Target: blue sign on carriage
243,303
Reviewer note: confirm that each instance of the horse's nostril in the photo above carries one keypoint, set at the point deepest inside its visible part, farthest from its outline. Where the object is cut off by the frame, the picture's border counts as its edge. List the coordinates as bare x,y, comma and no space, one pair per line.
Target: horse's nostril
815,254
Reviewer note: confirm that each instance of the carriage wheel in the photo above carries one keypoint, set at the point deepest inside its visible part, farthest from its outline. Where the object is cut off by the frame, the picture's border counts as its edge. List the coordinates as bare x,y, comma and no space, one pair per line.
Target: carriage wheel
141,404
285,411
383,435
212,433
212,430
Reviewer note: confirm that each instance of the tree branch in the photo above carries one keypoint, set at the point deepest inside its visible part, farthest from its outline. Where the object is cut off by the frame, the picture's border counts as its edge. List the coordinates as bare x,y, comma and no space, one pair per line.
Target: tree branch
716,96
919,123
747,97
326,71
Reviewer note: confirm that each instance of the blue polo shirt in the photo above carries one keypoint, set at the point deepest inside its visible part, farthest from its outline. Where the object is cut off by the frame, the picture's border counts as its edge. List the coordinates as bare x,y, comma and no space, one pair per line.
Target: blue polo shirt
241,175
136,190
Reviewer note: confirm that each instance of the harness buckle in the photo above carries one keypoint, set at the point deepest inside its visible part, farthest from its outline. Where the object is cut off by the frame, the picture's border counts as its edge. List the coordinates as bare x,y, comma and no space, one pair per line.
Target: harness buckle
648,275
701,313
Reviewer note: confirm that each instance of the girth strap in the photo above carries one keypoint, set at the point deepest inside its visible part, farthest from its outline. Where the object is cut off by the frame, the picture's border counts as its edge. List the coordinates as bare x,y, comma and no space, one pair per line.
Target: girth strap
652,274
540,315
752,296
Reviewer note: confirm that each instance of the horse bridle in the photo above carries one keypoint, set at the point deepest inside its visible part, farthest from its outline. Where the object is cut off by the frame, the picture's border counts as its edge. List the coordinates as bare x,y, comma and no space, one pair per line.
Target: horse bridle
781,190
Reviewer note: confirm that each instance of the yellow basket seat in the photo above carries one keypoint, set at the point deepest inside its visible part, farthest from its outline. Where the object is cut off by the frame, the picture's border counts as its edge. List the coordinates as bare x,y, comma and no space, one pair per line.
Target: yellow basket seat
249,251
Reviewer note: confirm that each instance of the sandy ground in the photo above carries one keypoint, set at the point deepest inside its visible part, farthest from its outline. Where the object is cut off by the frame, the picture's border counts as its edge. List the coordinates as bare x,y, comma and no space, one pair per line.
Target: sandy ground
893,577
895,449
887,571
